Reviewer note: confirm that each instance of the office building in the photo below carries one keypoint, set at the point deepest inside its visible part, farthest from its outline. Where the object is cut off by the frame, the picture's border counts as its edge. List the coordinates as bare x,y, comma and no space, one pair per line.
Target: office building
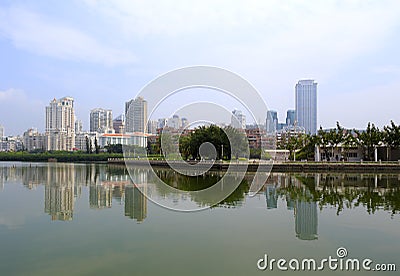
290,117
306,105
60,124
136,115
238,119
101,120
272,121
1,131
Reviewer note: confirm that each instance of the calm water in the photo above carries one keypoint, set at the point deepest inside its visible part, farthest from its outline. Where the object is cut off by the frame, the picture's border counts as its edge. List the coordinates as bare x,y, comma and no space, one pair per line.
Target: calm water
77,219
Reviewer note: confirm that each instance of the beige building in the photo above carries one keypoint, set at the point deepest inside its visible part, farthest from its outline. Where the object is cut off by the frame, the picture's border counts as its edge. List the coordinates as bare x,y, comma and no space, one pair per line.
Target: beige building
33,140
60,125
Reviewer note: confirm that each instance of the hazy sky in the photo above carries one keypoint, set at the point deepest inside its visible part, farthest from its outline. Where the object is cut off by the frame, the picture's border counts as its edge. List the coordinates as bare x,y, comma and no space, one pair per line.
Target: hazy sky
103,52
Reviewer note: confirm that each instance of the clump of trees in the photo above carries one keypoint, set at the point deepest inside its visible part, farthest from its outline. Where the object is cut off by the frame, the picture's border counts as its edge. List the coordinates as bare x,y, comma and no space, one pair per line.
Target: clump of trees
229,142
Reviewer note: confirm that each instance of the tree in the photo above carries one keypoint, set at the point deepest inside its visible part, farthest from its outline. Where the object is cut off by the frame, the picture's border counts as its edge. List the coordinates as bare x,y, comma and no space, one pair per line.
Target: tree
96,146
88,145
369,139
391,135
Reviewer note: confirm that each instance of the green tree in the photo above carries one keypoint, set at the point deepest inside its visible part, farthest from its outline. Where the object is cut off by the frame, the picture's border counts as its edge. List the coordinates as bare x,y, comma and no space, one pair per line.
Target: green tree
96,146
369,139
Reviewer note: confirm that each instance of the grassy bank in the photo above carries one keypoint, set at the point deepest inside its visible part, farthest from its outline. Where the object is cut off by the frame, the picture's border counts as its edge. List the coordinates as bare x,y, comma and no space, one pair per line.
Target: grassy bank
57,156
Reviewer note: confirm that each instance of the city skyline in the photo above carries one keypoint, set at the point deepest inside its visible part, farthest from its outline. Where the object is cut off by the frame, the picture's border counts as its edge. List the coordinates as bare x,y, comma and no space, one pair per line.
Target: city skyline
55,50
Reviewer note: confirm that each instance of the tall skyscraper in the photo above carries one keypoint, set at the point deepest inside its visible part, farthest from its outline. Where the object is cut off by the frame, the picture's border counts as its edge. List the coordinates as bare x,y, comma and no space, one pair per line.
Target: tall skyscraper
60,124
136,115
101,120
290,117
1,131
306,105
238,119
272,121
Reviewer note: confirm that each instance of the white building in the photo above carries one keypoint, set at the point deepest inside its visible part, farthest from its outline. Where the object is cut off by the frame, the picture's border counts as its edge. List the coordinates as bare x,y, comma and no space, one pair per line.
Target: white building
101,120
152,127
136,115
238,119
82,139
136,139
33,140
174,122
60,124
338,153
11,143
306,105
78,126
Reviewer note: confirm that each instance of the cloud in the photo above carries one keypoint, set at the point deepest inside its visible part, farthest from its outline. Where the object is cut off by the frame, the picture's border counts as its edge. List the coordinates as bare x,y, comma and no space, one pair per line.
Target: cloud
43,36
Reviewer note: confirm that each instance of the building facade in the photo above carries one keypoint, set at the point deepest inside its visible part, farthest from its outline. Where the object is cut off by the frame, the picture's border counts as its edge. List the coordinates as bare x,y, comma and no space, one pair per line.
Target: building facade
101,120
238,119
136,115
119,124
272,121
60,124
290,117
306,105
33,140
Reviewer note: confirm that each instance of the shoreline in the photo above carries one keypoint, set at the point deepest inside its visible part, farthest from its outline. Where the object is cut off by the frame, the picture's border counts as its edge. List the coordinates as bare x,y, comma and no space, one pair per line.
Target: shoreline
283,167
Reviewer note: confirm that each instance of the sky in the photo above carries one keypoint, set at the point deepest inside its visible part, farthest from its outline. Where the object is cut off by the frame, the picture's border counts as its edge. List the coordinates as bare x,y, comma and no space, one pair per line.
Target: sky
103,52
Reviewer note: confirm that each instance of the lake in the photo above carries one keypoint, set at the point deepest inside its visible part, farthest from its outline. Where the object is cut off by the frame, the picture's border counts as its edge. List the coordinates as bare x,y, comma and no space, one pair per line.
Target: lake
89,219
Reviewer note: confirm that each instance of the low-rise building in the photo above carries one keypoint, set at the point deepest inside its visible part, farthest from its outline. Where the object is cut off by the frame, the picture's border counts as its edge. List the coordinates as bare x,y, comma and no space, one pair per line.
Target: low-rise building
136,139
33,140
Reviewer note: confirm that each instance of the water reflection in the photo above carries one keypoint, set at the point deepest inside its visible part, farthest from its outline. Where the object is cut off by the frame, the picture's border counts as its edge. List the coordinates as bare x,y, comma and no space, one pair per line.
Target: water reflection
106,185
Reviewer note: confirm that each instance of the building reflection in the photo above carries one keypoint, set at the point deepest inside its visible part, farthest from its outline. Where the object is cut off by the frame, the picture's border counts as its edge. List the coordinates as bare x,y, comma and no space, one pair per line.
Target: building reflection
135,203
306,220
299,199
59,192
100,196
271,197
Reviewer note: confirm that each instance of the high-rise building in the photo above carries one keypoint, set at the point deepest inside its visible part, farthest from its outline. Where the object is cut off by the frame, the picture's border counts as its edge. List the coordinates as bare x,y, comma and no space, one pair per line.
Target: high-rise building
101,120
272,121
238,119
174,122
119,124
152,127
161,123
136,115
1,131
290,117
78,126
184,122
306,105
60,124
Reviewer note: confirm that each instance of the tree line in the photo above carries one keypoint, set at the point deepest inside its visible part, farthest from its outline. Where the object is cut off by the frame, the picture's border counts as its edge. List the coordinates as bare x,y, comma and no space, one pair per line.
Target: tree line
328,140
